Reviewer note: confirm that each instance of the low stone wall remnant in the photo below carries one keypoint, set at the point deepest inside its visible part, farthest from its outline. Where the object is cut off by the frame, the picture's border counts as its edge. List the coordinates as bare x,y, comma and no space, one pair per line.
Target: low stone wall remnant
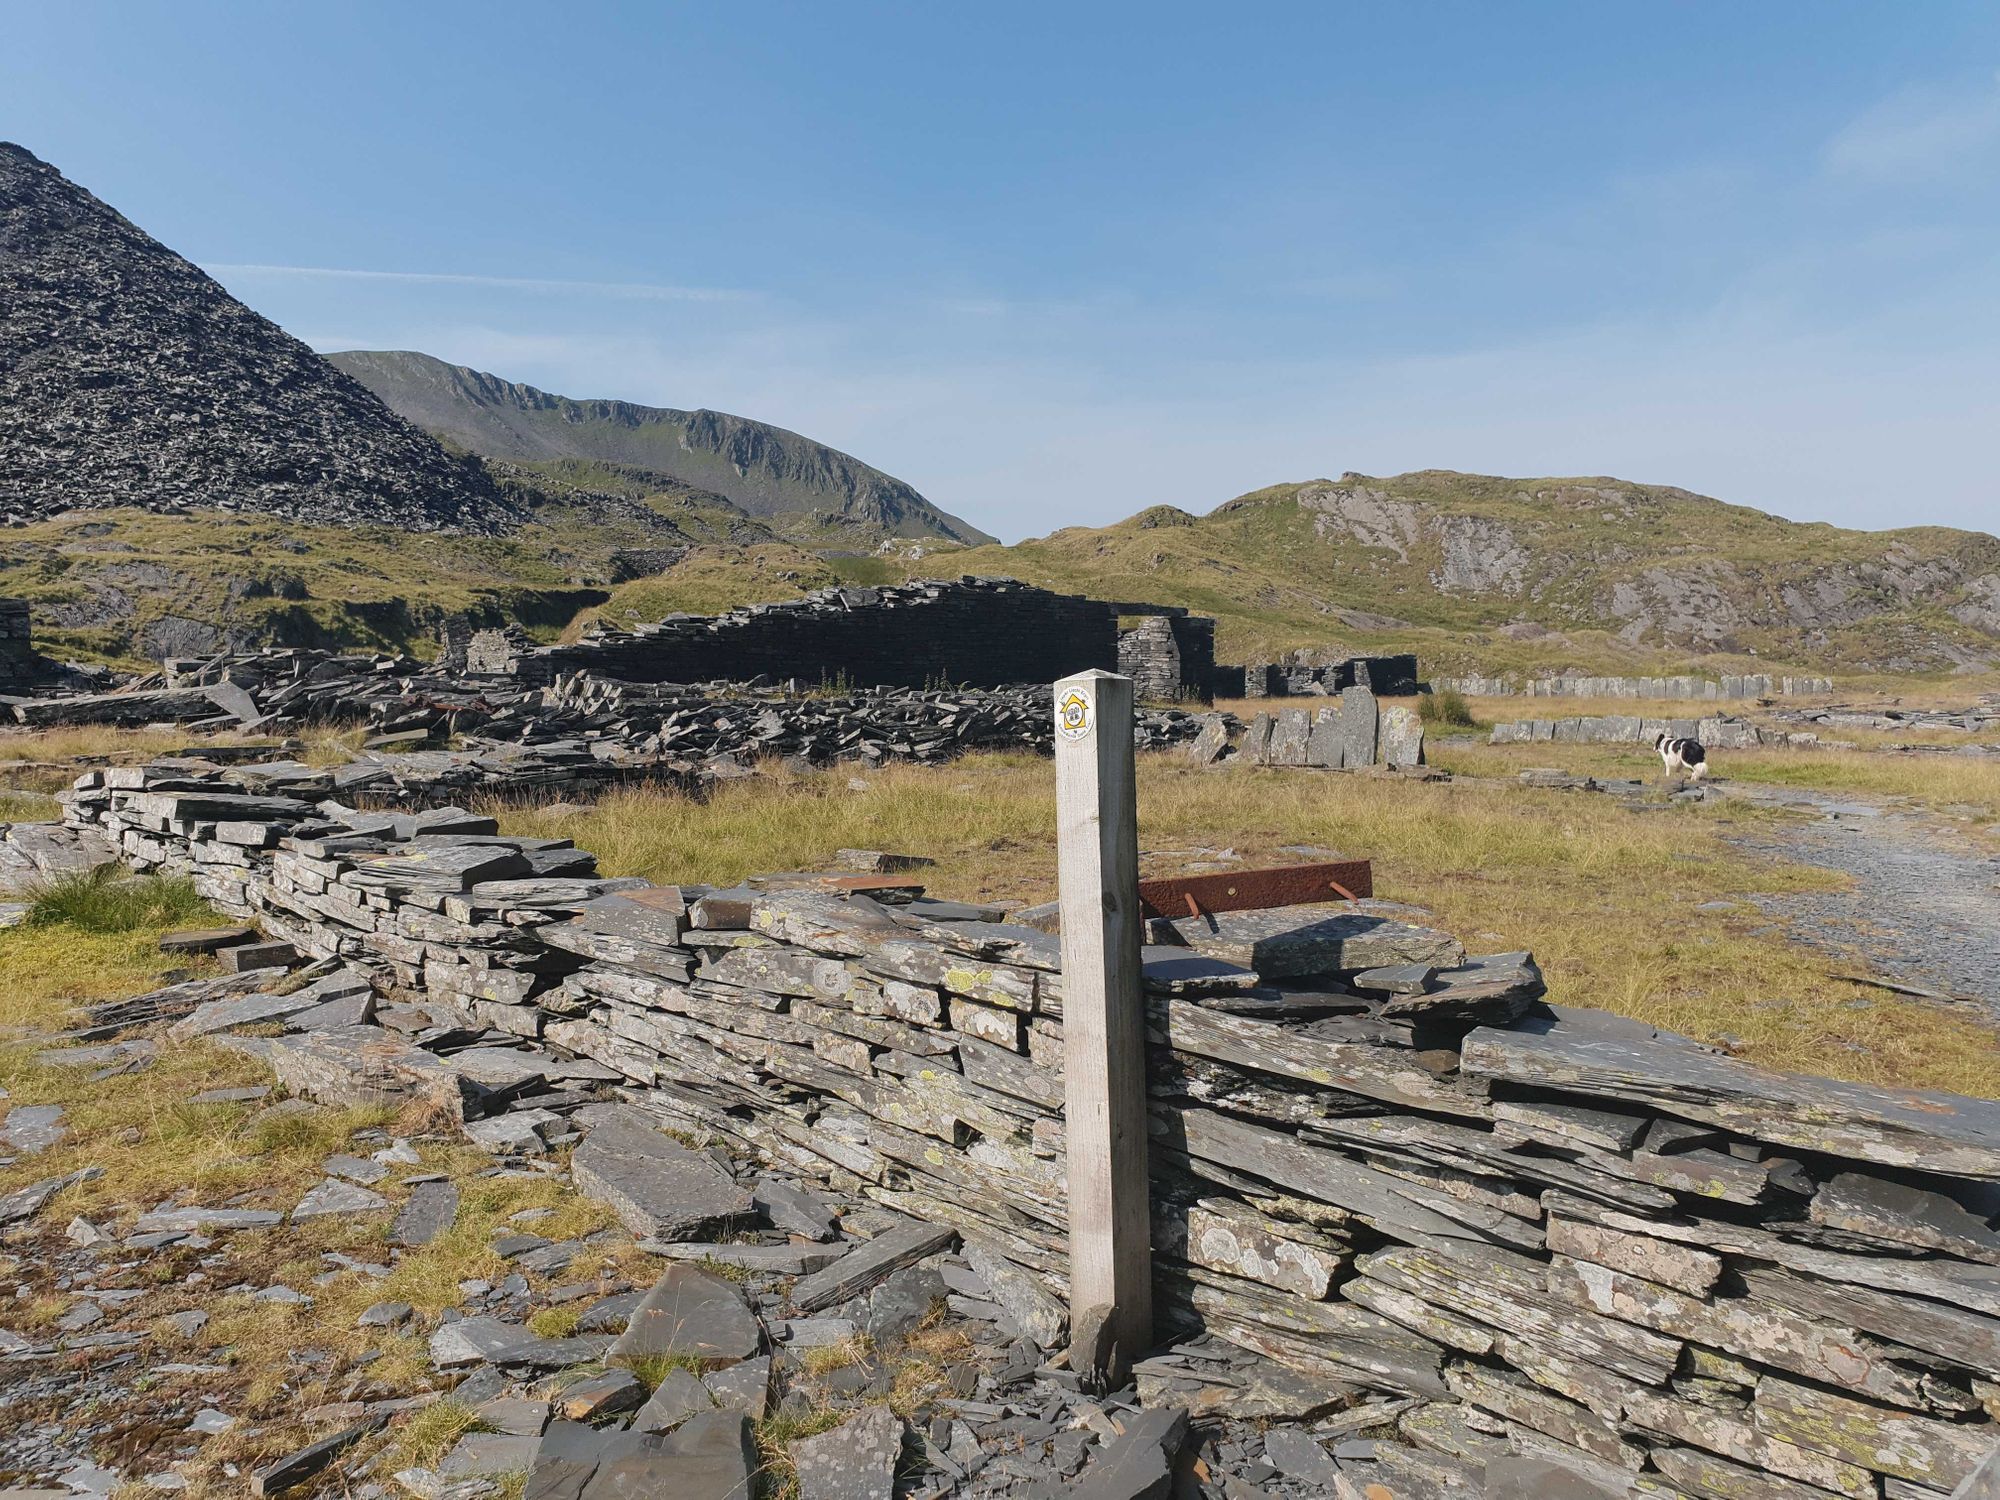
1749,685
1574,1248
1714,733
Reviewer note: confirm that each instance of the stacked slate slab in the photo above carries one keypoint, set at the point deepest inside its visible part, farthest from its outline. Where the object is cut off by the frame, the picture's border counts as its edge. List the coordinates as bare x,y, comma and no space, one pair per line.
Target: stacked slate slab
1169,653
1718,732
1730,685
1549,1250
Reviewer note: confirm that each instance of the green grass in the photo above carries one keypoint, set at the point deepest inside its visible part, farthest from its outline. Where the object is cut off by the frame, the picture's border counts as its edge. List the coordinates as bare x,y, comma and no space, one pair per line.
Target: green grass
107,901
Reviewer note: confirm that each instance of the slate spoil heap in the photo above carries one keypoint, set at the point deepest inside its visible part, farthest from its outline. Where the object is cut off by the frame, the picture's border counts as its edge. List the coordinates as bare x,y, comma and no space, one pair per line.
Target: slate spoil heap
130,378
1520,1249
578,732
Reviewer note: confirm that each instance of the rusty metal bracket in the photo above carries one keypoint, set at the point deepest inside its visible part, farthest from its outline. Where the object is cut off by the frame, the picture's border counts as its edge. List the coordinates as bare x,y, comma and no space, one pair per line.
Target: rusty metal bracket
1257,890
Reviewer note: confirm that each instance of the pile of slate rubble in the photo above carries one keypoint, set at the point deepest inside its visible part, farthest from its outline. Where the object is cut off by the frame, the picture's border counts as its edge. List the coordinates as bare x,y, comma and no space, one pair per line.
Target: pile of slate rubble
580,728
1477,1243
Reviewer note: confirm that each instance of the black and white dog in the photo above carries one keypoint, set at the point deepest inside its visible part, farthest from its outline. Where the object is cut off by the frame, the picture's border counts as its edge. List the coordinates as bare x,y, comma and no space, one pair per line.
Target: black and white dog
1682,755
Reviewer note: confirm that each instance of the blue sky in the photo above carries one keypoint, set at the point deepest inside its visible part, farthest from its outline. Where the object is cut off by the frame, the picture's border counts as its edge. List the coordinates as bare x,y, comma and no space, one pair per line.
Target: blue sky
1055,263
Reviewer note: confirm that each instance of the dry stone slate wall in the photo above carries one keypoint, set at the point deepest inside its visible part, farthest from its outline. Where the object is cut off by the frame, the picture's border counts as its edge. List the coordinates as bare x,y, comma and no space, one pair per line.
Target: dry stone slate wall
1716,733
1549,1237
1750,685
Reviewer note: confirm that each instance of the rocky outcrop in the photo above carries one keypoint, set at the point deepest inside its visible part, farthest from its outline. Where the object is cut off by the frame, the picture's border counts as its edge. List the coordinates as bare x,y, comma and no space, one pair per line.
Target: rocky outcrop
1653,565
130,378
769,472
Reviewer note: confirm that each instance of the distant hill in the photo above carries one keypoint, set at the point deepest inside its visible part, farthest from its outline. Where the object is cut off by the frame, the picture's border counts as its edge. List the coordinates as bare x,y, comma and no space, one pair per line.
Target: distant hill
812,493
128,378
1474,571
1482,570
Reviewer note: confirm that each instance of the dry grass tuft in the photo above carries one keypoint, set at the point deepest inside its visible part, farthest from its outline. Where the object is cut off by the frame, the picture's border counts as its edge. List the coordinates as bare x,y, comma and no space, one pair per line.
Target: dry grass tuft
424,1440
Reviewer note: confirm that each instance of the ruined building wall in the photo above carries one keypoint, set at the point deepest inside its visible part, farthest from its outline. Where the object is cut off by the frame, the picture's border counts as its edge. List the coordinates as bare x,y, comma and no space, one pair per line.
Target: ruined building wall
979,633
18,661
973,632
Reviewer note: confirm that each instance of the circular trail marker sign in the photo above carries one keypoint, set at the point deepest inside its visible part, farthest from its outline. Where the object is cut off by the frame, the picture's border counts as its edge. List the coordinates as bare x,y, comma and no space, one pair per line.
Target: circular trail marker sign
1073,715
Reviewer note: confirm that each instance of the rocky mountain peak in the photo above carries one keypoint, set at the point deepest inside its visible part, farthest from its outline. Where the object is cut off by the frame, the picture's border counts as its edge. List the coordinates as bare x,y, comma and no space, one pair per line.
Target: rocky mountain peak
128,377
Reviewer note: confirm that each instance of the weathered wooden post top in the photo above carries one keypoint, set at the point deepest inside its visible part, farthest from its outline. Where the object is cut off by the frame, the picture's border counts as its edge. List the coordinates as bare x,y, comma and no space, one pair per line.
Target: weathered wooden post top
1104,1036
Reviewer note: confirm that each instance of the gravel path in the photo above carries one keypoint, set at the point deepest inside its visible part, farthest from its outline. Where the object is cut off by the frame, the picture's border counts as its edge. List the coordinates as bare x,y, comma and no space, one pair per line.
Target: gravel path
1925,906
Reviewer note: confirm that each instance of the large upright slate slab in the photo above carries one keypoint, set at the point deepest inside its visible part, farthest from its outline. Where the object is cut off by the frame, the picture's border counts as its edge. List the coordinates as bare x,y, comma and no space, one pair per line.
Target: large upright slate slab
1290,736
1256,749
1323,746
1358,723
1400,736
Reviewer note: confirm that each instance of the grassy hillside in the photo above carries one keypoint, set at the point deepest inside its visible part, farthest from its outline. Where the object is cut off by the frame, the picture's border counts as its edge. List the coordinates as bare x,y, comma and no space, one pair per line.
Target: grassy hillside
1468,571
1473,572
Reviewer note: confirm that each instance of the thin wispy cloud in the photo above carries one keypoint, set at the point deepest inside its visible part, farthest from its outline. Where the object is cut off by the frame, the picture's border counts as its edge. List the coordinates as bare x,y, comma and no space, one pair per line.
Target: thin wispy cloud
629,290
1921,134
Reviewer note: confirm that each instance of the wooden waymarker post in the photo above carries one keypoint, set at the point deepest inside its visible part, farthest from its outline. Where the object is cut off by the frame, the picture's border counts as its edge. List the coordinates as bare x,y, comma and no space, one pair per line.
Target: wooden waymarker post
1104,1032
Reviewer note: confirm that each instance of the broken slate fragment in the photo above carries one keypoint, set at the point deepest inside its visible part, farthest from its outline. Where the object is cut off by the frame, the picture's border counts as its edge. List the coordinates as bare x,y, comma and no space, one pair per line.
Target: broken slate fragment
25,1203
1301,940
1299,1455
1039,1314
30,1128
795,1209
656,1186
863,1266
745,1387
430,1211
855,1461
489,1455
472,1341
692,1315
203,1220
679,1395
1138,1464
708,1457
602,1395
296,1468
1885,1210
333,1196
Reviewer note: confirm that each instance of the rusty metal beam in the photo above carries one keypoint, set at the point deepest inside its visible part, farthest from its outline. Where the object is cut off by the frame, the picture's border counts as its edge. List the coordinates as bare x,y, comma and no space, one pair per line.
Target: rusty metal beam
1257,890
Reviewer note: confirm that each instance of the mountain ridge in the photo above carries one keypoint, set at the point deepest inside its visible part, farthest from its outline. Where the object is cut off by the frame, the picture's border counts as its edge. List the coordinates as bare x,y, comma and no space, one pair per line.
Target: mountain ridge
771,473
